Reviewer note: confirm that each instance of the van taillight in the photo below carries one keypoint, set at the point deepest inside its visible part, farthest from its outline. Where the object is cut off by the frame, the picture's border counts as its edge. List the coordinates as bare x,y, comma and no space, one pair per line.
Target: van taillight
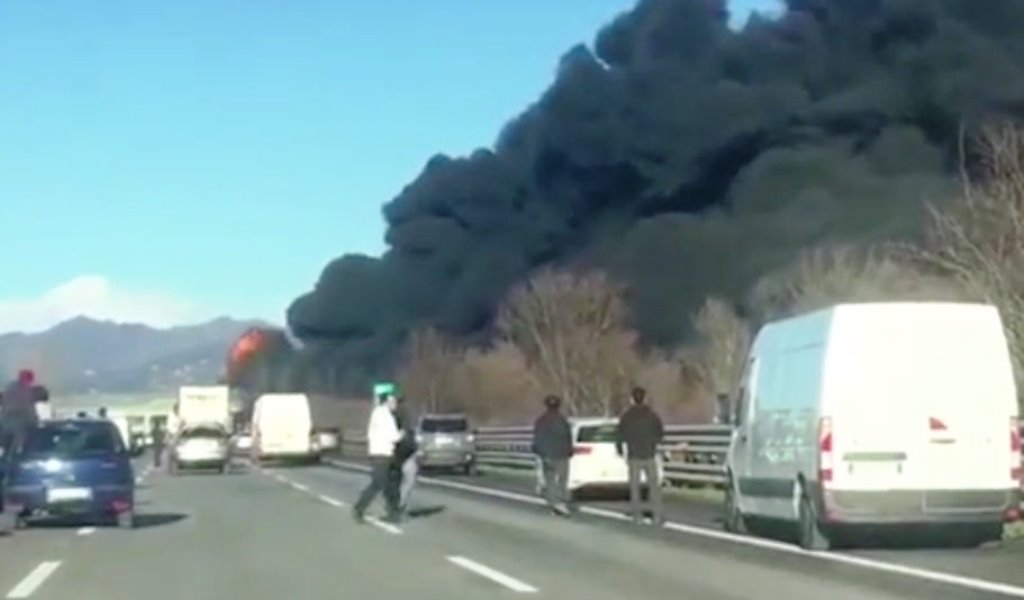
1015,470
581,450
825,450
936,424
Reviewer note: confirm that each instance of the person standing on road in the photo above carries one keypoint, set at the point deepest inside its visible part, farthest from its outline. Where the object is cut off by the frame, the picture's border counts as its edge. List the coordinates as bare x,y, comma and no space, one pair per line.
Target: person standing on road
159,437
638,435
552,443
405,467
18,413
382,435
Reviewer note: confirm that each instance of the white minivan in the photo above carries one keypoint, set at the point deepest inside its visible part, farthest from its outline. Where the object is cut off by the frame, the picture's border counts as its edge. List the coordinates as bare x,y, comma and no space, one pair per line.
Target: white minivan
901,413
282,429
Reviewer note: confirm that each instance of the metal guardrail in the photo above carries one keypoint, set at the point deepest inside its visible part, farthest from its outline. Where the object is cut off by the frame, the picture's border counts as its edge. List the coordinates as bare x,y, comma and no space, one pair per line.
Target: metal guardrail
694,454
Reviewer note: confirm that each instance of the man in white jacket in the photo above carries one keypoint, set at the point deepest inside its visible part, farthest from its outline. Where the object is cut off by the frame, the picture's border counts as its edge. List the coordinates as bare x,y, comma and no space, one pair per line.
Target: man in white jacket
382,434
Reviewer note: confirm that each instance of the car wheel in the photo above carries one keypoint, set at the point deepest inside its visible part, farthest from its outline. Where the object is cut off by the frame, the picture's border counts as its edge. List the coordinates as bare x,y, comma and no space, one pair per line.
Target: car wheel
126,520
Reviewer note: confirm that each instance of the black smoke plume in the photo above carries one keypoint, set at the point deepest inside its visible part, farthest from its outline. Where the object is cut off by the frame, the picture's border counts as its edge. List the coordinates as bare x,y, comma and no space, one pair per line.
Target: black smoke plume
688,158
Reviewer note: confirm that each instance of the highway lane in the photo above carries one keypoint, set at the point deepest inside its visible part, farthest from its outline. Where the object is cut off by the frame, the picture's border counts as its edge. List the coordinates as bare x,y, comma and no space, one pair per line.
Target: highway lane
999,563
596,558
288,532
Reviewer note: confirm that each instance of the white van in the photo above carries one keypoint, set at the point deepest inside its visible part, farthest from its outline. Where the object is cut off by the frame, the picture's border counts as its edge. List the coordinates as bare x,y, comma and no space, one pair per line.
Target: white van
282,428
876,414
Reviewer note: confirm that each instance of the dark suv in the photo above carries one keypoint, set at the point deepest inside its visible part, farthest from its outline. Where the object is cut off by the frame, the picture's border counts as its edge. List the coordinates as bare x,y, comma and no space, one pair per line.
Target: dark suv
446,441
71,468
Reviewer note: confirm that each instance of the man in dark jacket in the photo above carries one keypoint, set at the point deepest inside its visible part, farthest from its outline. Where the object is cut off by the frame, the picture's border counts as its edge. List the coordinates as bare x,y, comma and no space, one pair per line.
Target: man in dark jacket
159,435
639,433
405,468
552,443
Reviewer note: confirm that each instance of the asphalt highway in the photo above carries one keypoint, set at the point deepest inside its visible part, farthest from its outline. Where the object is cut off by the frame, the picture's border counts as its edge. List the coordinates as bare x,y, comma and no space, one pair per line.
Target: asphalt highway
281,533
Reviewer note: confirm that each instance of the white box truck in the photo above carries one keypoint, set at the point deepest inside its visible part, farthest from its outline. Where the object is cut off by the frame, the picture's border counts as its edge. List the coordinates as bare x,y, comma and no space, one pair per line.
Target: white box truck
282,429
203,405
876,415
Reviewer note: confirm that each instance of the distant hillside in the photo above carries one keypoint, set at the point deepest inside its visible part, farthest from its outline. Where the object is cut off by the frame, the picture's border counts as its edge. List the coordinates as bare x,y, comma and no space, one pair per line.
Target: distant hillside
83,354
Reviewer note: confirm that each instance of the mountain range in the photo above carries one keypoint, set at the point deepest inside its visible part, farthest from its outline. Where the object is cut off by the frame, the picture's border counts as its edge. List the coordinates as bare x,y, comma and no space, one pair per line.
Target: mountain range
85,355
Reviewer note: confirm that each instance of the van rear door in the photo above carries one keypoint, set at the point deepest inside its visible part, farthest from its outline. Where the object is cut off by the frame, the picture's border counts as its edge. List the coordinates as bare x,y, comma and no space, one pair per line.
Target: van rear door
924,401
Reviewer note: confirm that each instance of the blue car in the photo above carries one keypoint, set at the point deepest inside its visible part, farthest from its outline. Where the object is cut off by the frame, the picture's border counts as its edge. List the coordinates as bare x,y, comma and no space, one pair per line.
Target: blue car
71,468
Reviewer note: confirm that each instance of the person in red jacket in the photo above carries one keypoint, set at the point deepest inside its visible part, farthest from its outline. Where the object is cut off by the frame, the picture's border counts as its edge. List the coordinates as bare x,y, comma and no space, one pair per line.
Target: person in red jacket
18,409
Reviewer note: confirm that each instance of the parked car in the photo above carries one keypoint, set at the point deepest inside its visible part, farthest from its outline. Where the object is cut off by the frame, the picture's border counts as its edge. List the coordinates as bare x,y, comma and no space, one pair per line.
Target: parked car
241,443
446,441
327,439
71,468
200,447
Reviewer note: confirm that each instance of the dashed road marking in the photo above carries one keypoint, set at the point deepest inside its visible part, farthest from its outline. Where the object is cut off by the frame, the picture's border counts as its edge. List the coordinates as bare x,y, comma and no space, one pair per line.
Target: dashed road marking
766,544
383,526
27,586
388,527
86,531
506,581
332,501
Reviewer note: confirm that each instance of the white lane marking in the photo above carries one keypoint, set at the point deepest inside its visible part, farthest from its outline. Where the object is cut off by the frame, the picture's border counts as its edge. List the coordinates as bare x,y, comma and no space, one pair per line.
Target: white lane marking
298,486
494,575
86,531
388,527
27,586
332,501
766,544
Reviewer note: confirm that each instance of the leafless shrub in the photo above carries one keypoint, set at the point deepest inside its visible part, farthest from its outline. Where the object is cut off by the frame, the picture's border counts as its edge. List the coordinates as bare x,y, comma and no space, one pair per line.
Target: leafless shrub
978,240
571,329
427,376
828,275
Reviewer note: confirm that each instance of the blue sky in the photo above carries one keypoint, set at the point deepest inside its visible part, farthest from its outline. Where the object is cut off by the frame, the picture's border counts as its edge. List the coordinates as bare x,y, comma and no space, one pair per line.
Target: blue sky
166,161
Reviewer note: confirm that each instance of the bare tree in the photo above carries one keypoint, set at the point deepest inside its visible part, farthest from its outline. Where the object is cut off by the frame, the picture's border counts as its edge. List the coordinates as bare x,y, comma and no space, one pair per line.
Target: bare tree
828,275
429,368
571,328
724,341
978,239
496,386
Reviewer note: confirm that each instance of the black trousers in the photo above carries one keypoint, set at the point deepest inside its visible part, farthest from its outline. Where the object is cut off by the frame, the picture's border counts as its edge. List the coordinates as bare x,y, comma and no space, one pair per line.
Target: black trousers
382,480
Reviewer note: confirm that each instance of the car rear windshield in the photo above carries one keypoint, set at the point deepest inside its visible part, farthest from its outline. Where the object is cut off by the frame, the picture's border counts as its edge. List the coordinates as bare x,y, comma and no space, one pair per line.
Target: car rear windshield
75,439
202,433
444,426
597,434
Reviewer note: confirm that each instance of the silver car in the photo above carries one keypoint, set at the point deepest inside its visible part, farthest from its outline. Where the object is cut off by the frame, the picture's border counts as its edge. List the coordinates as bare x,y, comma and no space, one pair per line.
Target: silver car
446,441
201,447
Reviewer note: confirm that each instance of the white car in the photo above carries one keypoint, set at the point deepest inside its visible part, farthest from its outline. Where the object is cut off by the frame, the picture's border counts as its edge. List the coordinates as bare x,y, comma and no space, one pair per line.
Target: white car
202,446
594,463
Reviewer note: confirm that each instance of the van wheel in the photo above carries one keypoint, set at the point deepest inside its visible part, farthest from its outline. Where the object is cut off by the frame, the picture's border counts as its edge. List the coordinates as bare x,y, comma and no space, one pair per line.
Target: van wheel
811,536
734,520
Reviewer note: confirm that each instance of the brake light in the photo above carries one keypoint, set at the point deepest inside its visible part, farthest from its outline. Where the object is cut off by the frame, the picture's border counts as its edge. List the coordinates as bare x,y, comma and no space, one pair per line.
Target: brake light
1015,470
577,450
936,424
825,450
